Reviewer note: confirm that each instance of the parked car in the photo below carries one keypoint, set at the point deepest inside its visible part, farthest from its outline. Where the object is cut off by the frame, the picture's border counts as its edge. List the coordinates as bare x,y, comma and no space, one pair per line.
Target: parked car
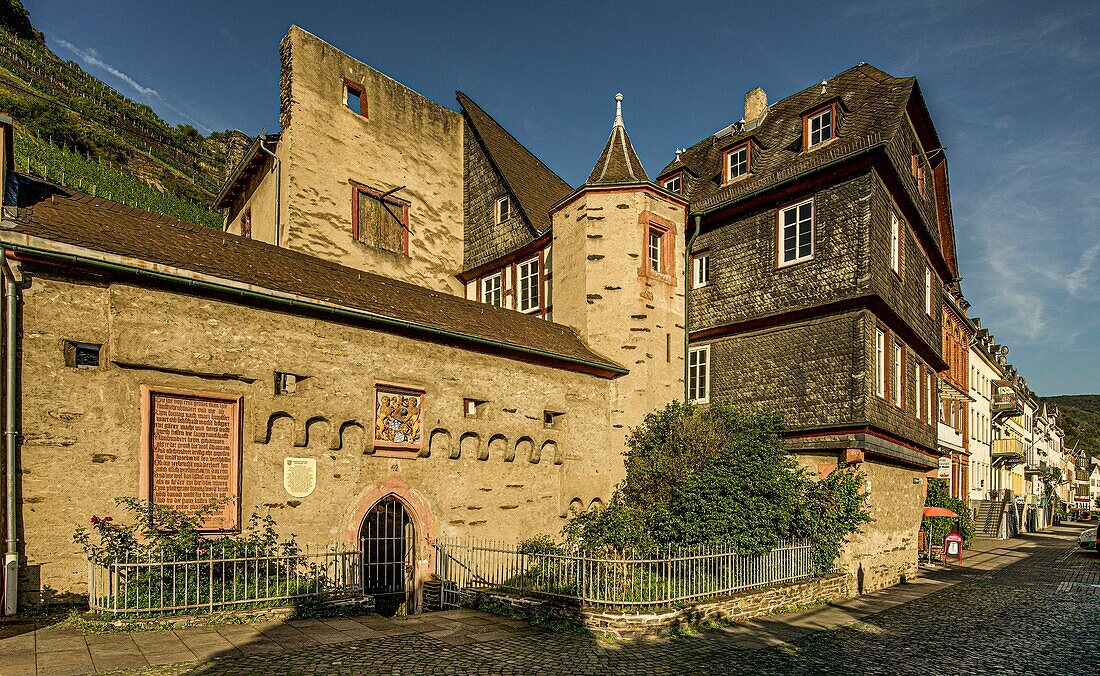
1088,538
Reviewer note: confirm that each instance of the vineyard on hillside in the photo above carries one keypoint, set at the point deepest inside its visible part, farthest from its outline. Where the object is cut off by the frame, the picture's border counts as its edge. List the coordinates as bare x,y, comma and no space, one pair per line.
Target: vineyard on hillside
76,131
79,172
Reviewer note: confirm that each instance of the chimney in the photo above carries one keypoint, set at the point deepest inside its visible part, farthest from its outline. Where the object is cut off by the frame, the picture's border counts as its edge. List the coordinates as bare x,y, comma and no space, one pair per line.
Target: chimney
756,104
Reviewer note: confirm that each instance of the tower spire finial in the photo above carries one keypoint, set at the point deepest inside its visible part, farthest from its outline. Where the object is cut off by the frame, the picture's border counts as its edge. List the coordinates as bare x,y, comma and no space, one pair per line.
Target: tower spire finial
618,110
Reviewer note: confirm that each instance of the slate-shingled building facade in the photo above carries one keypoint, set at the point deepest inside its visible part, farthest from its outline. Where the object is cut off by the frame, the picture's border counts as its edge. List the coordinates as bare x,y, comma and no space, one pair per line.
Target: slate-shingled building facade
343,321
823,222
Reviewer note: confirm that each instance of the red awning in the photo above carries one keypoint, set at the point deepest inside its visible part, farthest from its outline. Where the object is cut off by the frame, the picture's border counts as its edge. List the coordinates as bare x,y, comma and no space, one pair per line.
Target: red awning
940,511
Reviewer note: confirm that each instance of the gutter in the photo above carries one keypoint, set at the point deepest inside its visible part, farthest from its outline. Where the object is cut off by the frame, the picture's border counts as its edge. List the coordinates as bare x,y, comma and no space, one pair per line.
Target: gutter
794,177
165,273
688,272
11,438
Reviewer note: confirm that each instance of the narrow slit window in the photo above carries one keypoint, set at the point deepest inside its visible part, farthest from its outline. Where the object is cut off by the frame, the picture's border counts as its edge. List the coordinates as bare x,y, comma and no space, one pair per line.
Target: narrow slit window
897,380
880,363
895,243
701,275
503,209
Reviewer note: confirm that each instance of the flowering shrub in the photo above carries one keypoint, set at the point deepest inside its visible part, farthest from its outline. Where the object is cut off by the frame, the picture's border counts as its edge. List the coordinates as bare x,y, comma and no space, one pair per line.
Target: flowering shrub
194,569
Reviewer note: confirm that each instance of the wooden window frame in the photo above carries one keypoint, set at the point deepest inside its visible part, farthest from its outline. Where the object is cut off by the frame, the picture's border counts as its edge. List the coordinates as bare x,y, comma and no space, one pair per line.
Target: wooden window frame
834,130
350,86
650,222
381,196
928,304
499,276
537,260
697,264
500,201
779,262
693,372
897,373
897,229
678,176
881,378
727,173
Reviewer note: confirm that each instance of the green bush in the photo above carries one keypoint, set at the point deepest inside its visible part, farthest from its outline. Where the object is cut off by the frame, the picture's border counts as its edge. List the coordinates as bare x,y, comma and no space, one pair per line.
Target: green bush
719,476
201,568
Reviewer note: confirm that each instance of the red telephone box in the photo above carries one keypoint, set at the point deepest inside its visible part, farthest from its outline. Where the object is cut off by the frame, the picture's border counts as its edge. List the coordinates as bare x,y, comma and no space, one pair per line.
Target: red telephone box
953,546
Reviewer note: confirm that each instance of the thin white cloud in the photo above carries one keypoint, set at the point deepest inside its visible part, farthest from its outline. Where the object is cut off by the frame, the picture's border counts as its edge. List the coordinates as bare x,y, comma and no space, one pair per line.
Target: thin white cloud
91,58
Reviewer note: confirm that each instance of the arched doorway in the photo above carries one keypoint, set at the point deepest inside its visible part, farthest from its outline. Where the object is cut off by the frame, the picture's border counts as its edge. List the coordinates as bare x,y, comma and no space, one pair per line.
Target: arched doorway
387,540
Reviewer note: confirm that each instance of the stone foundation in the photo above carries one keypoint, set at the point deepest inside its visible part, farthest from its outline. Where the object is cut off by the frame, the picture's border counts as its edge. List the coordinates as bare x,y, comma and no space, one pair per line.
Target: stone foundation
664,621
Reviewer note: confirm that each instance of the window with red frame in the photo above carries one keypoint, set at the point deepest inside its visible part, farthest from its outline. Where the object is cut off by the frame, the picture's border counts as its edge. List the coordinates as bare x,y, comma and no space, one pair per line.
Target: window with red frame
380,221
737,162
918,169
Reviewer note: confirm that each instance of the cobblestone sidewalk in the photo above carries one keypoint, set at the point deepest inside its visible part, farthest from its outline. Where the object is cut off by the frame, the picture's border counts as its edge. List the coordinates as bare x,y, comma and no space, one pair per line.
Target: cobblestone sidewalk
1027,605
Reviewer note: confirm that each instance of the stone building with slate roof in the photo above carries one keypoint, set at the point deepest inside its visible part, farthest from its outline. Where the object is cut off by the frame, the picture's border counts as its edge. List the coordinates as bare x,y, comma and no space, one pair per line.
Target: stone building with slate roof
409,314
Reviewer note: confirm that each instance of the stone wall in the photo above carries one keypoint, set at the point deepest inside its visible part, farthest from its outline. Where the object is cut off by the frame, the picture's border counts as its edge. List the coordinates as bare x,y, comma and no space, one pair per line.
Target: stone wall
602,290
626,625
501,473
404,141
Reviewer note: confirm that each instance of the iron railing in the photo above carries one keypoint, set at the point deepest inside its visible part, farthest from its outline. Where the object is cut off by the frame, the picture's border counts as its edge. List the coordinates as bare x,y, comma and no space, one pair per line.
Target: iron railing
222,577
630,581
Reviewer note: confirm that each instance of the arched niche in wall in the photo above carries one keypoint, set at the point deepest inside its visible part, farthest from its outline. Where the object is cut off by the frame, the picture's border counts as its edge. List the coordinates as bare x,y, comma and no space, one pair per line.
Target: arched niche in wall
550,450
280,425
469,444
498,447
439,443
352,436
525,448
317,426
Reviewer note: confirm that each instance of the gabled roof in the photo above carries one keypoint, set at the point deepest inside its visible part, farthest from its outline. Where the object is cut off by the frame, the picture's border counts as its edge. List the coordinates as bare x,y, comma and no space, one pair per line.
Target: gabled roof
533,184
66,225
618,163
872,107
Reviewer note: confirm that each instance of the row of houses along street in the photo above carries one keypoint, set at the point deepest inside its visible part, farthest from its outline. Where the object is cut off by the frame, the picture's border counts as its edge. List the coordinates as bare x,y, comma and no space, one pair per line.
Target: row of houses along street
412,329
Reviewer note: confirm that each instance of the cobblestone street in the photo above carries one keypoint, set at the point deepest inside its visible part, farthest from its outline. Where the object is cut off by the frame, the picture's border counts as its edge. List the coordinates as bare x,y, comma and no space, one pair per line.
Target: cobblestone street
1038,614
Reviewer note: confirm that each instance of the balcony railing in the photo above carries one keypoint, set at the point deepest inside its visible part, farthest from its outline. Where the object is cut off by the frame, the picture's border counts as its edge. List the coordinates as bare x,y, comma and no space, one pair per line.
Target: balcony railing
1006,400
1009,449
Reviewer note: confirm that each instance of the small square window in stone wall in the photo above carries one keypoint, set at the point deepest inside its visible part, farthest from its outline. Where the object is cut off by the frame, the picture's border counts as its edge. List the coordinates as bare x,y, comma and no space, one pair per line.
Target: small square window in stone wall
82,355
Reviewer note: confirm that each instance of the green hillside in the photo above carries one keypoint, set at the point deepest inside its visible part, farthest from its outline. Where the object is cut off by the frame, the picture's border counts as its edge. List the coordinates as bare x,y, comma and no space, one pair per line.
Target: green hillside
73,129
1081,420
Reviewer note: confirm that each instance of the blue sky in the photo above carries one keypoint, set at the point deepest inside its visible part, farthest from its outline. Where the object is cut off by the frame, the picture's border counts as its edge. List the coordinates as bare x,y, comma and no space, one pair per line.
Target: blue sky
1013,89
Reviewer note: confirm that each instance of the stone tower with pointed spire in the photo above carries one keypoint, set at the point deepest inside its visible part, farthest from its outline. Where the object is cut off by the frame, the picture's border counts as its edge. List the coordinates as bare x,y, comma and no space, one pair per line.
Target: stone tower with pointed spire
619,276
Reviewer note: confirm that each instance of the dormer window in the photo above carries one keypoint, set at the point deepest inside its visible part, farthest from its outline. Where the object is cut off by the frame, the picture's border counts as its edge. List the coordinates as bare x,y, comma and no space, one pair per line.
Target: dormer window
819,127
503,209
737,162
674,184
354,99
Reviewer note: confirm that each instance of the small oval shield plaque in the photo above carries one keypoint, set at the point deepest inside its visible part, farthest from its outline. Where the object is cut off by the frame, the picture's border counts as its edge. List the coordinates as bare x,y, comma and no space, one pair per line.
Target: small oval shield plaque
299,476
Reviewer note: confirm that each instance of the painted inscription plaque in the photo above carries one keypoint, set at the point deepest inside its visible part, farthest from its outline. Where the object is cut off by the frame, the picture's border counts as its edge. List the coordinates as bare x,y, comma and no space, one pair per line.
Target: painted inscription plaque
398,418
299,476
191,455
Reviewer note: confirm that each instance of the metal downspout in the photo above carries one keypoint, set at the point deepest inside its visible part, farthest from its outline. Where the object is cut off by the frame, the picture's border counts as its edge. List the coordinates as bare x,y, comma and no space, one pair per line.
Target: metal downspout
688,272
11,437
278,191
